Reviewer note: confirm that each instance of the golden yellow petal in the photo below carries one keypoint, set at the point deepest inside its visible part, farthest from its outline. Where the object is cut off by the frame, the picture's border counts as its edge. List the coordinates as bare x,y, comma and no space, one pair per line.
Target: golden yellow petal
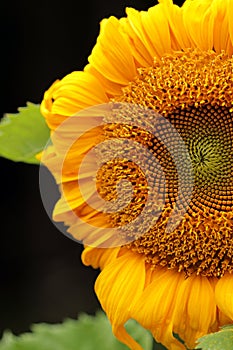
118,287
195,311
154,309
99,257
76,213
156,26
224,295
134,18
122,335
208,24
67,172
89,230
199,23
222,319
174,15
166,2
155,32
111,88
223,26
140,53
111,56
46,106
72,197
73,93
152,29
230,22
50,159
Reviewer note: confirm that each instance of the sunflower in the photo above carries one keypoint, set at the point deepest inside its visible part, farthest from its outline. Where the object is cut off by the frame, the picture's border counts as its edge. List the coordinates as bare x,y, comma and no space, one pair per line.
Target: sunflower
176,62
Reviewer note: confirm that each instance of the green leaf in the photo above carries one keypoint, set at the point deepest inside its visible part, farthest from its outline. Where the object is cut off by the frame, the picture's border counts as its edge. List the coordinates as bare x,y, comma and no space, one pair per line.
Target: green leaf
222,340
23,135
86,333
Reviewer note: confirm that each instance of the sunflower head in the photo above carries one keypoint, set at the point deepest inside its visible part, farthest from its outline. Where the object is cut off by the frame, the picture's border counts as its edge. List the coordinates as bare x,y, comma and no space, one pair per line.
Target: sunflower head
142,151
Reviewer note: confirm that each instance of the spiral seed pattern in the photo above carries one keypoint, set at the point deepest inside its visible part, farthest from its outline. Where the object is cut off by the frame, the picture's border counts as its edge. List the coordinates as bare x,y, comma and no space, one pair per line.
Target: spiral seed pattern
193,90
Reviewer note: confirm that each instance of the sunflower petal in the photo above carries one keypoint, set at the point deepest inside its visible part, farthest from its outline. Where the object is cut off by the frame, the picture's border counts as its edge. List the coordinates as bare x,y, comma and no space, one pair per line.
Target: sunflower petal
223,38
230,23
118,286
111,56
73,93
199,23
141,55
154,309
224,295
156,26
195,311
173,13
72,197
151,27
93,233
99,257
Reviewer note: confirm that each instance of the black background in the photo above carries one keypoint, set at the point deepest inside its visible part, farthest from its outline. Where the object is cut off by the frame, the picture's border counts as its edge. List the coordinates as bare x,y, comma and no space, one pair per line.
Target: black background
41,274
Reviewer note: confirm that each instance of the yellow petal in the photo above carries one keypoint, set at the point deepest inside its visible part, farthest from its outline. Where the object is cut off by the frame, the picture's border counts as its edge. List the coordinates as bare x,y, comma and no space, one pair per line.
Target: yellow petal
154,310
224,295
199,23
68,170
174,15
111,56
208,24
195,311
230,22
93,233
140,53
50,159
155,32
151,28
73,93
223,26
111,88
118,287
223,319
156,26
72,197
134,19
99,257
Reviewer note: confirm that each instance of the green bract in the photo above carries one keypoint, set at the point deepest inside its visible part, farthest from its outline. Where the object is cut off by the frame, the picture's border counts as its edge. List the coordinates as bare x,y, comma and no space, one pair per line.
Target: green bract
23,135
222,340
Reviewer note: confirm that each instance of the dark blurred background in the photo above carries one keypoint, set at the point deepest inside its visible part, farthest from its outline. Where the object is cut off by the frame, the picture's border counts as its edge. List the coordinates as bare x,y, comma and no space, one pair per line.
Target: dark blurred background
41,274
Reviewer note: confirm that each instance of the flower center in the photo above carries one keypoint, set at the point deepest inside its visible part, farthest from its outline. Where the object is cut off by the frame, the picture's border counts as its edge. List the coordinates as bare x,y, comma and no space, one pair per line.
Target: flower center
193,91
207,132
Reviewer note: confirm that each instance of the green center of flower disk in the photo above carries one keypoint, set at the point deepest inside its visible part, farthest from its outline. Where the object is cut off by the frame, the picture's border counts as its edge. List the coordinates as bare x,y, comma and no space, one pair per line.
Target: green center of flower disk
193,91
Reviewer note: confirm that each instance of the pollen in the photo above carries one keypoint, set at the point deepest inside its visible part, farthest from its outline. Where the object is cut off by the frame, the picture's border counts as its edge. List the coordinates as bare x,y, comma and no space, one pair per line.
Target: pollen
193,91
